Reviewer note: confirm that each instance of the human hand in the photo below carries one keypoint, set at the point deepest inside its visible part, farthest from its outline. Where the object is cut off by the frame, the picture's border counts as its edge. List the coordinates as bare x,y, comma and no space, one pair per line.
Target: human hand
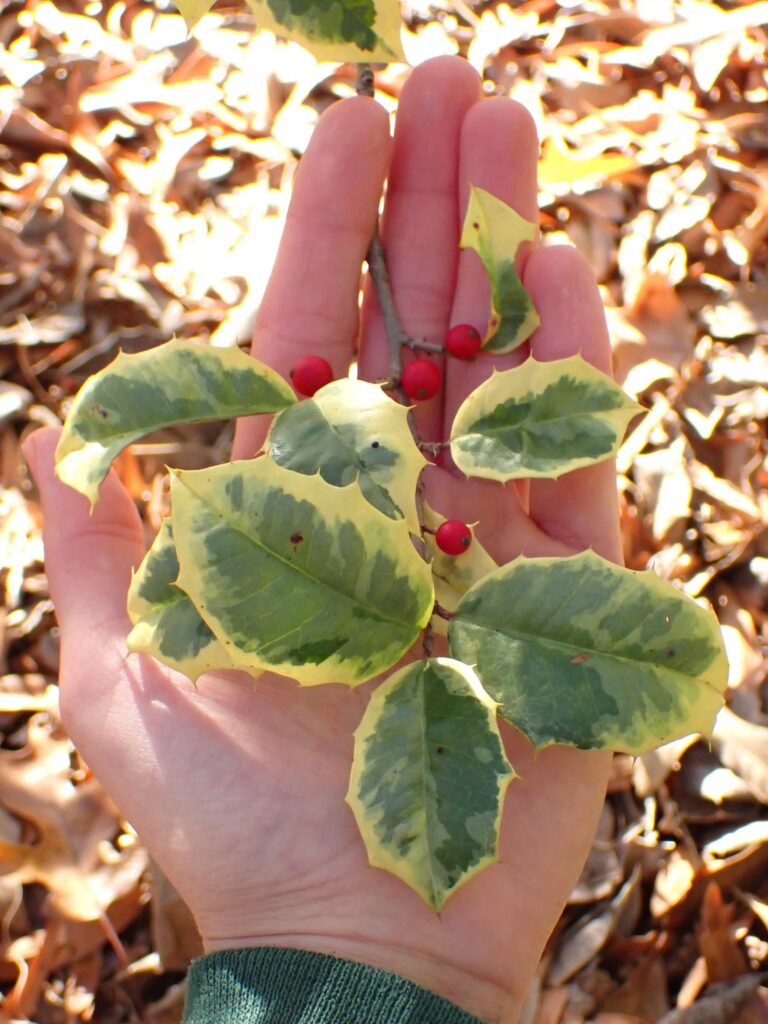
238,789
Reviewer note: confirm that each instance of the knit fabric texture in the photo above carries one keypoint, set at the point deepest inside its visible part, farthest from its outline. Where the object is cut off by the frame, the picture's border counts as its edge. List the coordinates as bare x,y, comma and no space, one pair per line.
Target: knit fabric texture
270,985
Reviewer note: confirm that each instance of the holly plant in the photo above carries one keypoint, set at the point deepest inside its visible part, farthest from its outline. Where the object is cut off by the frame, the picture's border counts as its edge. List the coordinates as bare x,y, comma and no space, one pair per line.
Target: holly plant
321,561
337,30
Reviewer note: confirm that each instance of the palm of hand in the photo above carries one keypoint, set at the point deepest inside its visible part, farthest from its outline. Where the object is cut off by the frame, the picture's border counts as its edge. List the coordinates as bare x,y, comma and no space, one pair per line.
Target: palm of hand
239,789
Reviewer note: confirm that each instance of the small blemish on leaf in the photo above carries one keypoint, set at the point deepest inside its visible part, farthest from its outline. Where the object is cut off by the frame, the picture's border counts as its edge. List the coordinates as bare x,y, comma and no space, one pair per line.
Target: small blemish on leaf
297,538
440,750
671,652
580,659
101,411
476,225
375,444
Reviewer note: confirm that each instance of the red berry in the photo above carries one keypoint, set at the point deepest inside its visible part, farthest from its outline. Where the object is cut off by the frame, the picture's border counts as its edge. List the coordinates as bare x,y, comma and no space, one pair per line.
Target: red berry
421,379
453,537
463,341
310,374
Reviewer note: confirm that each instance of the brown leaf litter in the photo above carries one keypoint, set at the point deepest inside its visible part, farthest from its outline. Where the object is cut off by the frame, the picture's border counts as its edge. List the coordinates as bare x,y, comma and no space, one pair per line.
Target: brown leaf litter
144,178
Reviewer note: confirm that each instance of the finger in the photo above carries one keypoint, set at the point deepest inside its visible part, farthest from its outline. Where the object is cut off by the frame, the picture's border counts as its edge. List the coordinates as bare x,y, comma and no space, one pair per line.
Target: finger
581,508
88,556
88,560
499,151
500,523
311,303
420,228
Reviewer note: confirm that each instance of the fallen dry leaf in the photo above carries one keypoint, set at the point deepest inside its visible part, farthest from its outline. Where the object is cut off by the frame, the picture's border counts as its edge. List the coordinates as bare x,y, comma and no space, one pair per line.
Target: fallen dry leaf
144,183
717,937
74,855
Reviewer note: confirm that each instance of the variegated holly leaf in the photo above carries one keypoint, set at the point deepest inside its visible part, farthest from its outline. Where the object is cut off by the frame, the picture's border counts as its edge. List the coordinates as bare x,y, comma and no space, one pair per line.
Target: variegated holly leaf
429,776
298,576
174,383
582,652
352,431
165,622
453,575
540,419
495,231
334,30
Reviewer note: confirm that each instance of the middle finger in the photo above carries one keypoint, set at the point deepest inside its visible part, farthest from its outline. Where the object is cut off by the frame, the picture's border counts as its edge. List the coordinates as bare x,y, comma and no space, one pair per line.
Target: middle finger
420,228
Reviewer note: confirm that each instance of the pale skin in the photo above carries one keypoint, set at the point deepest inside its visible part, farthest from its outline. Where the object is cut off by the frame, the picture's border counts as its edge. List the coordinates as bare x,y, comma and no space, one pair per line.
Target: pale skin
238,790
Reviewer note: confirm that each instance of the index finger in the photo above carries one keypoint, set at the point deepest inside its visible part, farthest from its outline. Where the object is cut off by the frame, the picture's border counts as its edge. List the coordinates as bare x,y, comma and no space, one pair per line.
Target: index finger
311,302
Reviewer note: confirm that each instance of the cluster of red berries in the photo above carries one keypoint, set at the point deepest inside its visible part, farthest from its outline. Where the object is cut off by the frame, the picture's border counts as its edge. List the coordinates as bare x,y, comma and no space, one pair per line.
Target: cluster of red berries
421,380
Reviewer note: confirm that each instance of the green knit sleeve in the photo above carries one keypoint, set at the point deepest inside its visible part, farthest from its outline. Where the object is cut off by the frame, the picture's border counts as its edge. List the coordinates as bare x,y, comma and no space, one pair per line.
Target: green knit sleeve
270,985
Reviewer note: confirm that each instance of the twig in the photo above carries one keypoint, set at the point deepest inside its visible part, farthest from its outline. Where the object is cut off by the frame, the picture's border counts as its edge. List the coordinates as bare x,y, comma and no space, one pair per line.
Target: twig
396,335
428,640
31,380
364,85
114,940
420,345
434,447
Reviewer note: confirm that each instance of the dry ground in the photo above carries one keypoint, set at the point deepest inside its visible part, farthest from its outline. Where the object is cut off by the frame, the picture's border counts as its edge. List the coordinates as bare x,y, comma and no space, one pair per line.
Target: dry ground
143,182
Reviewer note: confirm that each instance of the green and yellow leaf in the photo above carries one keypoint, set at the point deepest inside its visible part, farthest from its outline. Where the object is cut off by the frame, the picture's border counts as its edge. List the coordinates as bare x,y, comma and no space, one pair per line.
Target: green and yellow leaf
165,622
582,652
429,776
334,30
495,231
351,431
295,575
175,383
453,575
540,419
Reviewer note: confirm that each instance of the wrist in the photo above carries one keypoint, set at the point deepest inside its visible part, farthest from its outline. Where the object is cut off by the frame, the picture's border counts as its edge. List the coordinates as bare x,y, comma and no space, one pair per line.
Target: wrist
479,995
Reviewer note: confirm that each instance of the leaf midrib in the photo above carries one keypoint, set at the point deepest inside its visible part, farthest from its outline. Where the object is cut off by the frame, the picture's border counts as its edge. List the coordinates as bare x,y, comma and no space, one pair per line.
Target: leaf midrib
584,650
111,385
358,18
427,832
295,568
362,470
493,431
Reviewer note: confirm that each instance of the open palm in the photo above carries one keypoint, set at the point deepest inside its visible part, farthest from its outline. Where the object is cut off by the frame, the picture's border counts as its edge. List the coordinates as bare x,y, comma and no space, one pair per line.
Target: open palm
238,789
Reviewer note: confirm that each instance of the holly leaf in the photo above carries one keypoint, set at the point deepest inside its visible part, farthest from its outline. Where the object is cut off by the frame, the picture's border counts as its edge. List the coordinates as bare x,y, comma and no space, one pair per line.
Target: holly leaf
429,776
295,575
453,576
351,431
495,231
540,419
582,652
174,383
166,623
334,30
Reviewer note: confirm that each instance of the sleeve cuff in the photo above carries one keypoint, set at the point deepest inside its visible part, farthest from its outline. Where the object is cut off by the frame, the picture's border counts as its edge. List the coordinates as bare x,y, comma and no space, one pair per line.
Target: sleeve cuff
275,985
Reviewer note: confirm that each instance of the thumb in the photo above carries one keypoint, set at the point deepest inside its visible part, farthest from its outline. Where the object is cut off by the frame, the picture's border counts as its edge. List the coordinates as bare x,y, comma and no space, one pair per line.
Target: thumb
89,555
